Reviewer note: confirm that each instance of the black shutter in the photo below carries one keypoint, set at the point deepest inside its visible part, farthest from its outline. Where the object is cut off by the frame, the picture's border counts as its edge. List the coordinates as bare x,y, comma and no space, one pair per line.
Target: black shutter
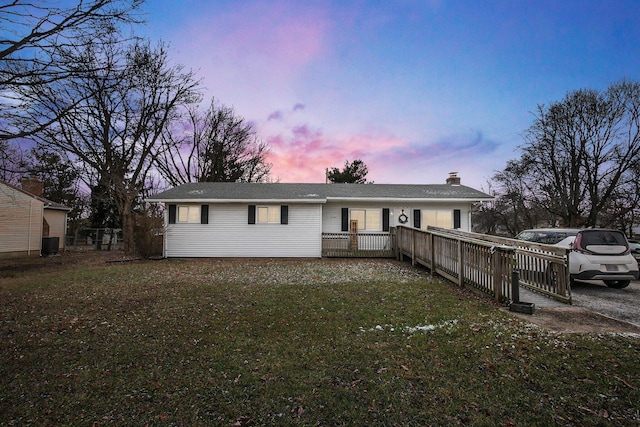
456,218
385,219
416,218
172,214
252,214
284,214
204,214
345,219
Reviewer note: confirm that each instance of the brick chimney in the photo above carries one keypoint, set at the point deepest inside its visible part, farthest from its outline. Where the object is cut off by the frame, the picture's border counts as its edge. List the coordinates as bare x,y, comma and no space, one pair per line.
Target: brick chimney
32,185
453,179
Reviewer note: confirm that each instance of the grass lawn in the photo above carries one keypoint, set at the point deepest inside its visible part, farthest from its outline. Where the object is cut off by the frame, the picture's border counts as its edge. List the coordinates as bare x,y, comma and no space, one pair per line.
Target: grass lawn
290,342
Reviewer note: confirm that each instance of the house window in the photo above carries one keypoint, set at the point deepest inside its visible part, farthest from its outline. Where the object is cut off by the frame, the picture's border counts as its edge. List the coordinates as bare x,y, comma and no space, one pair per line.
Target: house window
368,219
437,218
268,214
189,214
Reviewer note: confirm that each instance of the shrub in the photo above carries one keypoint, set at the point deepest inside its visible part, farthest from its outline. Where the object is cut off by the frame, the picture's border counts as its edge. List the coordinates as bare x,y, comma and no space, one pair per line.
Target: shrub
147,234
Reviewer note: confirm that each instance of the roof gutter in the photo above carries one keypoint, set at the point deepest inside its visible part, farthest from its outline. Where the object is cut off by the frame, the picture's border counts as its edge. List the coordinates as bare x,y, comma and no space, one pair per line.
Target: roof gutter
214,201
404,200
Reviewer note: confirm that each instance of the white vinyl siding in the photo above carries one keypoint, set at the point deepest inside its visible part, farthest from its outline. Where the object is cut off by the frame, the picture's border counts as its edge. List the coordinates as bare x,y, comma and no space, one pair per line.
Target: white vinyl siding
230,235
20,222
331,213
57,220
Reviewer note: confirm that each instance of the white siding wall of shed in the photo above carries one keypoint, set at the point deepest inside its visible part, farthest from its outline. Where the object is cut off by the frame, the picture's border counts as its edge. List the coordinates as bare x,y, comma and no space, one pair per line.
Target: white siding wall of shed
57,220
228,234
20,222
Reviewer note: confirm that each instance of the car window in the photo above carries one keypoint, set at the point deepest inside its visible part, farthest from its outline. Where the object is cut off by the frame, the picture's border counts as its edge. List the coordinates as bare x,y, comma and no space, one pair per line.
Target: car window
551,238
527,236
603,238
547,237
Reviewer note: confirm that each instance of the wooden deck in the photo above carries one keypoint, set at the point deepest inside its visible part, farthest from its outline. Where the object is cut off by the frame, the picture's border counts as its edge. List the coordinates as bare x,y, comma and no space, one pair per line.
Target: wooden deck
358,245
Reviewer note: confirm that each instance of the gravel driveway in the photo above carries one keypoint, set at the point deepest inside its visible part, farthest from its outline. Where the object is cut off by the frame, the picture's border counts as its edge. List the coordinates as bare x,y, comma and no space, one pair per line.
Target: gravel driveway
621,304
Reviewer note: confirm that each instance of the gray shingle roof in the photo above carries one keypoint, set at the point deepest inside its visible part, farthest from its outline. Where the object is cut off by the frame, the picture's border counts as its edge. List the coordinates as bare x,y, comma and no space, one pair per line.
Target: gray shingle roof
241,191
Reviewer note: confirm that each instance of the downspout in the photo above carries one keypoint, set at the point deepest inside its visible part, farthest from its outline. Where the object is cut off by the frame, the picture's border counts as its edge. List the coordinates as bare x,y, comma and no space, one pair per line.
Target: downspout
66,228
165,219
30,226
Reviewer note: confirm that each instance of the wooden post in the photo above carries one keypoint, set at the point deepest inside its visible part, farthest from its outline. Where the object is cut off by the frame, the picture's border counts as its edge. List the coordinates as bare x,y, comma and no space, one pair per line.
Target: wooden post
413,247
432,252
460,264
497,272
565,284
353,235
393,241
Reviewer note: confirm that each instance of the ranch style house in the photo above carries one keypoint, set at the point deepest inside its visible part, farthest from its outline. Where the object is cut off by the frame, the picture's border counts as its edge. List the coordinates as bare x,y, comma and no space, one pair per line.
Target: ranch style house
236,219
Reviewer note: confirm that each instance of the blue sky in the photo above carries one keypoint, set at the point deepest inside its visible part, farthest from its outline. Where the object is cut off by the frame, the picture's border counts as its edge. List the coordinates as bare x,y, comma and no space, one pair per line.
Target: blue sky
416,89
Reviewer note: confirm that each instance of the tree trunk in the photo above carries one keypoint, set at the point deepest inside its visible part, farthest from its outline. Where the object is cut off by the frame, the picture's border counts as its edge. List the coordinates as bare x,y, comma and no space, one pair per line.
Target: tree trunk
127,228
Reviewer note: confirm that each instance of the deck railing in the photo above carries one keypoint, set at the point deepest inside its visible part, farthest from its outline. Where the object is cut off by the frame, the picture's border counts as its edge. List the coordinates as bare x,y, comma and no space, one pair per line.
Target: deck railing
487,262
468,259
542,268
345,245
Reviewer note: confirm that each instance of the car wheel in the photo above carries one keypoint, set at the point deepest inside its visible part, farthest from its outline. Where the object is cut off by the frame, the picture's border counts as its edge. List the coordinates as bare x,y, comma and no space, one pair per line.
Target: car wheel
617,284
551,275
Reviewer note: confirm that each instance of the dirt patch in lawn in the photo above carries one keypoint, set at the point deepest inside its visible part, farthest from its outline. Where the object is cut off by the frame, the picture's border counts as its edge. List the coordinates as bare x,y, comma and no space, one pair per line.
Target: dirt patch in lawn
577,320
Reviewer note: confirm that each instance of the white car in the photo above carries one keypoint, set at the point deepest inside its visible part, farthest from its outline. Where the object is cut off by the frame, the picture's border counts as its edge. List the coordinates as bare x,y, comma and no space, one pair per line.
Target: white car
595,253
635,250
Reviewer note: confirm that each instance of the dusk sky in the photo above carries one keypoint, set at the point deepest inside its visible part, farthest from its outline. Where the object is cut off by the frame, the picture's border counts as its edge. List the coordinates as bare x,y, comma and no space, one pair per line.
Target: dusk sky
416,89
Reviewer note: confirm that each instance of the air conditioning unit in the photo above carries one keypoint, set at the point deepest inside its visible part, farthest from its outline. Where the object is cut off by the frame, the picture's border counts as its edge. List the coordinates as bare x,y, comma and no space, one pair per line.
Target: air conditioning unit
50,246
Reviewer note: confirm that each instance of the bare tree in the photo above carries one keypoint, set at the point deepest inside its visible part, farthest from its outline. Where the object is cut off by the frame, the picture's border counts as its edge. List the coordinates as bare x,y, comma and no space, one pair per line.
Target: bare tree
213,146
115,111
12,162
515,206
623,210
33,38
578,150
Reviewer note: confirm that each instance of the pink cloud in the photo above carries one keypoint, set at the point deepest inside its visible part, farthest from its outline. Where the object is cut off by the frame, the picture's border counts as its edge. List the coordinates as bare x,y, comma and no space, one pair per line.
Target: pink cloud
301,153
276,115
303,132
272,37
280,115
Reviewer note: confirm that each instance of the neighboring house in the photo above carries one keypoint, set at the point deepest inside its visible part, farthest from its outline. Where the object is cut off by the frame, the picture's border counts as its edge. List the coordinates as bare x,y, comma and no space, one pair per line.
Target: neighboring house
26,218
291,220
